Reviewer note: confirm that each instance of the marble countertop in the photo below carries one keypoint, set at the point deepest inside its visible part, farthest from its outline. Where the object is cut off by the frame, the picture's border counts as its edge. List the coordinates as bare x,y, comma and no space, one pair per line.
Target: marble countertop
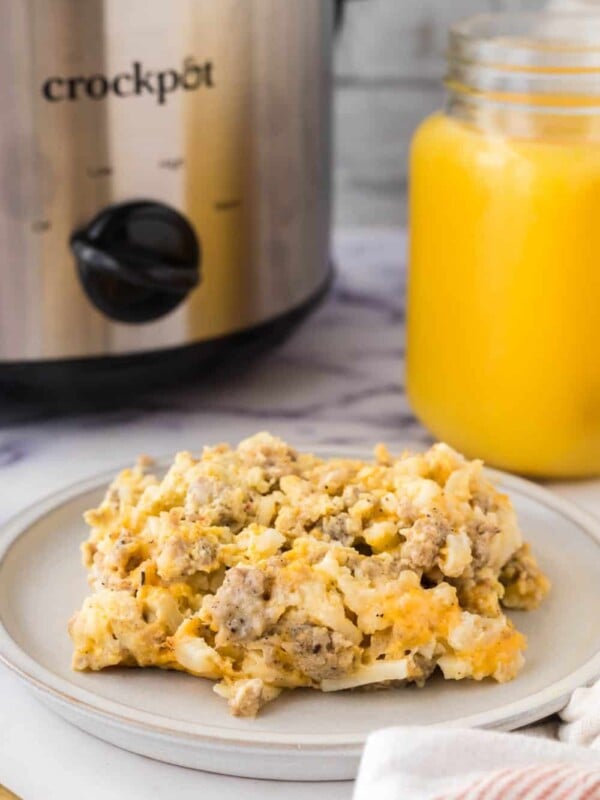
337,381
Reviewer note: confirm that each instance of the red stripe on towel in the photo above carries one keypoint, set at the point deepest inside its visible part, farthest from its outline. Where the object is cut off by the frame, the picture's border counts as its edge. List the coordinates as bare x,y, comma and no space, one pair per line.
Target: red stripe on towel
538,782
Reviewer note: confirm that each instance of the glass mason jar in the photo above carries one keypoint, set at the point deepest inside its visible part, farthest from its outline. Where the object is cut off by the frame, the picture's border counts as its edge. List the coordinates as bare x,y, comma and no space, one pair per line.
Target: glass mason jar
504,255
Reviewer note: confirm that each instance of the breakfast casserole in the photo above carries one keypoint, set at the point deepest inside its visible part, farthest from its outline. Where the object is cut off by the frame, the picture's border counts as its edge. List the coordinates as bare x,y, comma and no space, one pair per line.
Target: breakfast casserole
263,568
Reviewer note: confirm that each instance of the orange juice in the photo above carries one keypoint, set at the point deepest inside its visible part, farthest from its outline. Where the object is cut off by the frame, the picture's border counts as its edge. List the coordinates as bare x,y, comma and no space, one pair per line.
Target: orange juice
504,290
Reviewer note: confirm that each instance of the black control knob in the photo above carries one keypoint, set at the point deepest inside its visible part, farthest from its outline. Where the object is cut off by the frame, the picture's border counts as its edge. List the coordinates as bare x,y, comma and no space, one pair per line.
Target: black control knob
137,261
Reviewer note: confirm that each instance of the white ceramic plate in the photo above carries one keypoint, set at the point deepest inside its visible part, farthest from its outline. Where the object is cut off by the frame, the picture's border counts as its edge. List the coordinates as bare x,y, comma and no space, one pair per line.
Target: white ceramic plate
304,735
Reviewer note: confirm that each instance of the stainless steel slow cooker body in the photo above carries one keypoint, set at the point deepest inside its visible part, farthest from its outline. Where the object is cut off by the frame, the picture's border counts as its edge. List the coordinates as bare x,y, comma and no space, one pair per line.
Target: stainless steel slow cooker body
165,171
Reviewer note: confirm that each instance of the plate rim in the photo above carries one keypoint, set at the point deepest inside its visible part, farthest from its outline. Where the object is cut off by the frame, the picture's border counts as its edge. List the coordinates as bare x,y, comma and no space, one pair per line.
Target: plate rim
509,715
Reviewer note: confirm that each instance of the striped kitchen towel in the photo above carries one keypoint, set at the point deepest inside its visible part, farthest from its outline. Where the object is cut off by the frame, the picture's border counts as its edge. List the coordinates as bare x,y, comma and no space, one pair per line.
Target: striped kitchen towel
427,763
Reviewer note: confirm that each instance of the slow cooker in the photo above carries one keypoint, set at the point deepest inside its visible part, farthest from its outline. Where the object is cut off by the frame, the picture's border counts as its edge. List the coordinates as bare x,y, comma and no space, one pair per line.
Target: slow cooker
165,191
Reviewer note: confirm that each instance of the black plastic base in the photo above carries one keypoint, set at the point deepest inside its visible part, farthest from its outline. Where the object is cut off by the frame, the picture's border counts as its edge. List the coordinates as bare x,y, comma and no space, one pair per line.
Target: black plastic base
110,382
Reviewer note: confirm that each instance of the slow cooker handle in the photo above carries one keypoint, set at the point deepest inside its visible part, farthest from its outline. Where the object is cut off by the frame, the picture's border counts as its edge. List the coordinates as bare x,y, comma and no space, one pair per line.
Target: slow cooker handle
340,7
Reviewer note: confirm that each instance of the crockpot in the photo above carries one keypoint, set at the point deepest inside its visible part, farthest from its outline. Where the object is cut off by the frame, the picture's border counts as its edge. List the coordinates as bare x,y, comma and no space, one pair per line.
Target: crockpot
165,192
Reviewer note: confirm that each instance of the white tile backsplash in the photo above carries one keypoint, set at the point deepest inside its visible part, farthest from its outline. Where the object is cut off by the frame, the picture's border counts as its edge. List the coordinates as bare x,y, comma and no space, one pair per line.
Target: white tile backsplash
389,69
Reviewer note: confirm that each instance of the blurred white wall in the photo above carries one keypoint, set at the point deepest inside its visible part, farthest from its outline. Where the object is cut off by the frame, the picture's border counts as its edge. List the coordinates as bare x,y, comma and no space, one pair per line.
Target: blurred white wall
389,64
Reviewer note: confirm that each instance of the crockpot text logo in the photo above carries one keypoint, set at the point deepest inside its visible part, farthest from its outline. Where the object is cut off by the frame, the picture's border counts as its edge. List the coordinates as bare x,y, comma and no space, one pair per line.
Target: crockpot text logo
137,81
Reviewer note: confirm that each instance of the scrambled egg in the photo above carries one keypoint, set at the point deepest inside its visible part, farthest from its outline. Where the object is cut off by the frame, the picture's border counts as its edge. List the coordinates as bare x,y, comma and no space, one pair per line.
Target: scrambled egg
264,568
